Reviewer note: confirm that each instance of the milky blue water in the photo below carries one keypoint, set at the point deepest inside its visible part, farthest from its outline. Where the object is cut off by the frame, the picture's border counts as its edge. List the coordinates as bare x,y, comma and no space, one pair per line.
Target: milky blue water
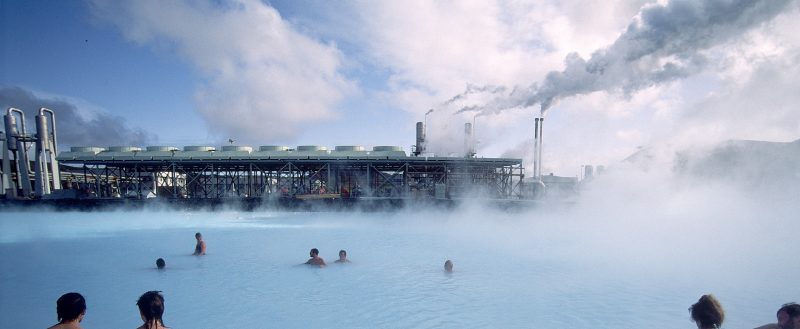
538,269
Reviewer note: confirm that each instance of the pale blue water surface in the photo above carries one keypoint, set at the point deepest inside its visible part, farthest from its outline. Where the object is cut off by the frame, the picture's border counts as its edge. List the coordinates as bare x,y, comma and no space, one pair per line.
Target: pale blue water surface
512,270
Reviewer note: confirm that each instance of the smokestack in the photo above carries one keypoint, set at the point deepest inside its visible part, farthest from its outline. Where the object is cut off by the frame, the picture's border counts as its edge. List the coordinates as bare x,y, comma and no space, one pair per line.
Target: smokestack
469,146
535,146
539,157
420,139
588,172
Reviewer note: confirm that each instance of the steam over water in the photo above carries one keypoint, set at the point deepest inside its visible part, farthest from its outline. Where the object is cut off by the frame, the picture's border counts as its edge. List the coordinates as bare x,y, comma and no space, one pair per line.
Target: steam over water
634,251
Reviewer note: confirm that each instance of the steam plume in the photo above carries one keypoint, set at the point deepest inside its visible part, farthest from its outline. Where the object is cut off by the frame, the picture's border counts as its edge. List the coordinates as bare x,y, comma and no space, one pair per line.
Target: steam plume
663,43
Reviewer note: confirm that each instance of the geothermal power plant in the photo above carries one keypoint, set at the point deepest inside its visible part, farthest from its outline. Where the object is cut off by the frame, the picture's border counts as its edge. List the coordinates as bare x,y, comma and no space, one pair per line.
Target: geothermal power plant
33,169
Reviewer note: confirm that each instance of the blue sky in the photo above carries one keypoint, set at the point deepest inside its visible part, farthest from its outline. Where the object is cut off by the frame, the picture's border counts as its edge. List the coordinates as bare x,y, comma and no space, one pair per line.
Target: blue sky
354,73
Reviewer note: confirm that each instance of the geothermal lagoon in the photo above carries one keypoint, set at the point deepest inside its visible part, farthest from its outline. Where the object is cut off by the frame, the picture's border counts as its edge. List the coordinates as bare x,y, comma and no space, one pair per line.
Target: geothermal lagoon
613,260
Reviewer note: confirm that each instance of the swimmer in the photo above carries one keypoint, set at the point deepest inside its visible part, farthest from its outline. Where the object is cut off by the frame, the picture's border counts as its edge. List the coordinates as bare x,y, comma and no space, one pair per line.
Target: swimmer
315,259
200,248
342,257
71,308
160,263
151,309
707,313
448,266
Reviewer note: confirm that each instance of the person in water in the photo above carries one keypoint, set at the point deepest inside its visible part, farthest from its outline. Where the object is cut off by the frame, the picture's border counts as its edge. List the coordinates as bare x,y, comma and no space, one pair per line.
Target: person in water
160,263
200,248
448,266
315,259
787,315
151,309
70,308
707,313
342,257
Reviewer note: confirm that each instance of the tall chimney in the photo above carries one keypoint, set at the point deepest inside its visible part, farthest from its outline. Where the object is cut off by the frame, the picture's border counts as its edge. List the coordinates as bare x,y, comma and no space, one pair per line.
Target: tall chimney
420,139
535,146
469,148
539,157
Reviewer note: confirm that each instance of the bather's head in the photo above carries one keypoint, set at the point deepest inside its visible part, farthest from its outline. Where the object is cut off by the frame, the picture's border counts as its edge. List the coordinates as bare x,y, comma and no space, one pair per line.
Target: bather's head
342,254
151,307
70,306
160,263
314,252
448,266
707,312
787,314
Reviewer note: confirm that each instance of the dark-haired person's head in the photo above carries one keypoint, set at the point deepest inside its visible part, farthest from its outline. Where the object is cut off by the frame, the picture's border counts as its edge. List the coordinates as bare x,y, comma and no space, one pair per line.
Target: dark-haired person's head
160,263
786,314
314,252
448,266
198,236
151,307
70,306
707,312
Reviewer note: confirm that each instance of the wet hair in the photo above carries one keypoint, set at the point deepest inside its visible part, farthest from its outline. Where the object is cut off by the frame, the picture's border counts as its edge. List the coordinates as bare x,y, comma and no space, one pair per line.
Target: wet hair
70,306
160,263
448,265
197,235
315,251
151,305
792,309
342,252
708,312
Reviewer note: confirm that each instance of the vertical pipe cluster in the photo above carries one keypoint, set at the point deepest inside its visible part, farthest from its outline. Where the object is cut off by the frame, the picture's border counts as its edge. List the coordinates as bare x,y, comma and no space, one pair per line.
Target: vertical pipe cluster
16,160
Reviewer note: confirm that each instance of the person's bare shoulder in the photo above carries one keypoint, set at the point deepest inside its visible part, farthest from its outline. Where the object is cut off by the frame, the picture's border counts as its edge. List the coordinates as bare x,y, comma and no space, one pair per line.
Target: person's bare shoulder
769,326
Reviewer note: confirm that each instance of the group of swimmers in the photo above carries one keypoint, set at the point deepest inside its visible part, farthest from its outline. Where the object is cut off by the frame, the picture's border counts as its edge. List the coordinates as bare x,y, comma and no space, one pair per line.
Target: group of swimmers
71,308
199,250
316,260
707,313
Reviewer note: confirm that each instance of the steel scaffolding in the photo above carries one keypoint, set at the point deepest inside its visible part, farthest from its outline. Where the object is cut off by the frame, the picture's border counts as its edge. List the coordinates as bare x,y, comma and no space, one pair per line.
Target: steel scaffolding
402,177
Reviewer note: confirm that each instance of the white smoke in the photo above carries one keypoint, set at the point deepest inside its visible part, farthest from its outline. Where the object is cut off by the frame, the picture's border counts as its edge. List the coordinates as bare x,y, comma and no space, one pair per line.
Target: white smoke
663,43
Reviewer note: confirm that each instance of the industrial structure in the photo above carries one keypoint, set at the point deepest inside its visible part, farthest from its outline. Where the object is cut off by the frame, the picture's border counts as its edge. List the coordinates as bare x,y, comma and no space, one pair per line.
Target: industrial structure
15,178
306,172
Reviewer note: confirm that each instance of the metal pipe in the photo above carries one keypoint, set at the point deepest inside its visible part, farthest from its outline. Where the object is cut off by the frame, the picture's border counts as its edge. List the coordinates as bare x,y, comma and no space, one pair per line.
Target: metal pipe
23,173
42,185
54,148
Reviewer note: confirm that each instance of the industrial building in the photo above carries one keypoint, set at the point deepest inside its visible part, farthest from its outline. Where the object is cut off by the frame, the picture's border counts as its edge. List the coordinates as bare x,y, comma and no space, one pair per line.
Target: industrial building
307,172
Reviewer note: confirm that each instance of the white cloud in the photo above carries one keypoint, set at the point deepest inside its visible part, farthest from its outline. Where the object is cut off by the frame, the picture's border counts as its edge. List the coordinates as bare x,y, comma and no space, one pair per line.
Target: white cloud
263,79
